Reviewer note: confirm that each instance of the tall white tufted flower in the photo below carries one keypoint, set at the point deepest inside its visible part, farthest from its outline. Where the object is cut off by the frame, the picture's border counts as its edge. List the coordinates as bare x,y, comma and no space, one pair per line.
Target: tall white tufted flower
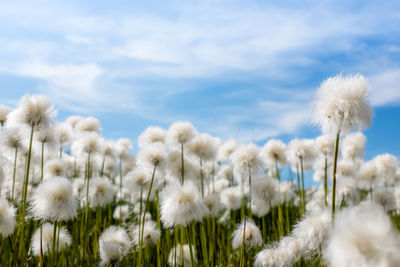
101,192
251,233
362,236
180,132
341,104
181,204
47,239
301,149
34,111
4,111
53,200
151,135
273,153
7,218
226,149
204,146
114,244
353,146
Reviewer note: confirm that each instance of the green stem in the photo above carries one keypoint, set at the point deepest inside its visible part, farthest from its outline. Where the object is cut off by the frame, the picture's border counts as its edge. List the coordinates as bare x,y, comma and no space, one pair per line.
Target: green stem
201,177
326,182
334,174
243,251
147,203
139,262
183,165
14,172
190,244
102,166
87,207
303,195
53,247
41,244
24,196
203,244
42,163
250,211
280,216
120,178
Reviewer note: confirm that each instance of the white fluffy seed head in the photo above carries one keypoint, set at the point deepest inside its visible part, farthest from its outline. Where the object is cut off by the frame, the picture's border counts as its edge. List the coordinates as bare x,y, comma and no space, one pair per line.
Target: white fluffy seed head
367,176
231,197
341,104
138,179
226,149
154,155
4,110
7,218
312,231
88,142
251,233
181,204
384,197
151,234
123,147
73,121
78,188
55,167
362,236
47,239
301,149
213,204
89,124
174,164
353,146
113,245
53,200
287,191
35,110
272,257
64,134
11,138
204,146
386,166
151,135
293,248
46,135
182,256
101,192
121,212
325,144
180,132
245,157
273,153
346,168
266,189
225,172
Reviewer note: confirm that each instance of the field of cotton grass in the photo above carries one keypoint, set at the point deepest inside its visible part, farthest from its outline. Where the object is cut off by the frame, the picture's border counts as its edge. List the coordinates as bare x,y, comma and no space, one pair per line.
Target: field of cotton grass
70,197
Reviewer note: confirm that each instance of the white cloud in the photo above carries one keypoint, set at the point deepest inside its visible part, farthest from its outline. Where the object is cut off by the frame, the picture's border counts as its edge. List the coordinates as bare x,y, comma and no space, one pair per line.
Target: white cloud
86,61
385,87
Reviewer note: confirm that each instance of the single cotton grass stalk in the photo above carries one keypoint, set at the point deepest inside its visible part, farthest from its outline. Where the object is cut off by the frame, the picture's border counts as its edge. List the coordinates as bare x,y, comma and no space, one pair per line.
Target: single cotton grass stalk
114,244
341,105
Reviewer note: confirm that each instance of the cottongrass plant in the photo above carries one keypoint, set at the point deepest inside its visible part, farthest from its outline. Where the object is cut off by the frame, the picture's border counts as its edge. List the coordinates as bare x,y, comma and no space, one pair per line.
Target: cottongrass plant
340,105
362,236
69,196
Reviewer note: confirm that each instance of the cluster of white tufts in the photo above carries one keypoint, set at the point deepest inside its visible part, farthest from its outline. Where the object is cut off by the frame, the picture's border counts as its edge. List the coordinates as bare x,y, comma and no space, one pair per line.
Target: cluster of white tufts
188,198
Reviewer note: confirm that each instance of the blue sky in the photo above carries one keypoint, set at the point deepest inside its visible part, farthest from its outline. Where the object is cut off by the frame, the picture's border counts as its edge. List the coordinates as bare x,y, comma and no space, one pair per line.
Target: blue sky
241,69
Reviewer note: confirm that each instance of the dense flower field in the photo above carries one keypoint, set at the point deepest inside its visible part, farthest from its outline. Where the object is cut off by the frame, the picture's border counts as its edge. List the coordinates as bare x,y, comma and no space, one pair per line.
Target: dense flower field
70,197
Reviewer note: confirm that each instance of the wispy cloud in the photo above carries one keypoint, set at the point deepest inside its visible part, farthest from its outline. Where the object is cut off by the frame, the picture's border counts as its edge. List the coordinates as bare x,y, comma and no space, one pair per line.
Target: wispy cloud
385,87
141,59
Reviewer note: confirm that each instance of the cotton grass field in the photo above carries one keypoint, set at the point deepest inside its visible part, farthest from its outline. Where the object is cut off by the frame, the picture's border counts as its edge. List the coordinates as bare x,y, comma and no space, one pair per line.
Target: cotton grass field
70,197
